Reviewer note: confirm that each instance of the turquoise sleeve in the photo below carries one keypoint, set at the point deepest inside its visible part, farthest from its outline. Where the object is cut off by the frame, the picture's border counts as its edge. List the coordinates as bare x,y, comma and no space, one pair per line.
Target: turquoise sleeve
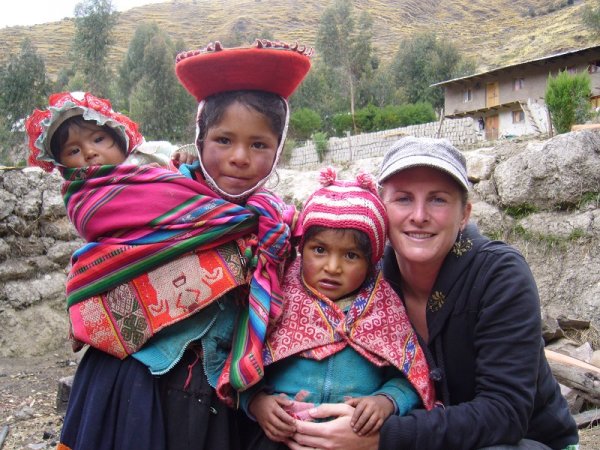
401,391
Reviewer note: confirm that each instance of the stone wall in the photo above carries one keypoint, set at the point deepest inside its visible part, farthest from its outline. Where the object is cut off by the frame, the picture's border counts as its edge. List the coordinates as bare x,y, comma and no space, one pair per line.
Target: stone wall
463,133
556,181
36,242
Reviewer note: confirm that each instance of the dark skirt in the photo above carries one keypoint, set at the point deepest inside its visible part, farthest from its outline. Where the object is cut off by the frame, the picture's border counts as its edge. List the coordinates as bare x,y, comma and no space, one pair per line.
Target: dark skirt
117,404
259,441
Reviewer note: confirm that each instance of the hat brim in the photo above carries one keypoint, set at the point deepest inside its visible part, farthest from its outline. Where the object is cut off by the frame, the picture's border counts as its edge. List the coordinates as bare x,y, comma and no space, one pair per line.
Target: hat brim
262,69
423,161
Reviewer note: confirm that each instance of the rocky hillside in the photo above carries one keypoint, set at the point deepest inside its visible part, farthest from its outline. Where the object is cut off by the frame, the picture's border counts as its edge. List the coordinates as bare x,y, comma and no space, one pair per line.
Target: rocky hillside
494,33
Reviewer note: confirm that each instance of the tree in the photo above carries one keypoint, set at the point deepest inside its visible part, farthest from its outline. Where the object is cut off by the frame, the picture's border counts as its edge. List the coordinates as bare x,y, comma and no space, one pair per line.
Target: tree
23,87
94,22
567,97
320,91
344,49
23,83
423,60
153,96
132,67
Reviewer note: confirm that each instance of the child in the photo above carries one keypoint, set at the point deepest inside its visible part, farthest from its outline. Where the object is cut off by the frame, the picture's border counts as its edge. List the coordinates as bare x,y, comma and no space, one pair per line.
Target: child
164,280
79,129
343,331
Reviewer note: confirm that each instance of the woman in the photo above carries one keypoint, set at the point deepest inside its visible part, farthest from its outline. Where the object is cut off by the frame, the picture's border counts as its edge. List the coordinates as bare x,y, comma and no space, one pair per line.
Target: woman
475,307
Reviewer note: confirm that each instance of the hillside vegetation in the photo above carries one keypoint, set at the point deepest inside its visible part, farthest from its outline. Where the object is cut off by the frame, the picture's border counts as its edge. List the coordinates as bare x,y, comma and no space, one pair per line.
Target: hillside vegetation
493,33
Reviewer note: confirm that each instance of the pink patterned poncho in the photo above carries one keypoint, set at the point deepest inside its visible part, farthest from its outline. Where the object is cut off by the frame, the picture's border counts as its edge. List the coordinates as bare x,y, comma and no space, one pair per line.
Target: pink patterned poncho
158,253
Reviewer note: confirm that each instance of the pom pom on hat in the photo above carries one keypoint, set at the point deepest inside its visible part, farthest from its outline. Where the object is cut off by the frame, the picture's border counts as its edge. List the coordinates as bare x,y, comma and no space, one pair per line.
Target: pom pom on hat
347,205
271,66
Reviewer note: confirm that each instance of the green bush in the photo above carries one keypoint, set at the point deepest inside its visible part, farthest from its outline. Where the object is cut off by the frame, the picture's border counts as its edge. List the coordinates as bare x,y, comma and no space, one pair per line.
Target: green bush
567,98
387,117
372,118
341,123
365,118
321,141
304,122
416,113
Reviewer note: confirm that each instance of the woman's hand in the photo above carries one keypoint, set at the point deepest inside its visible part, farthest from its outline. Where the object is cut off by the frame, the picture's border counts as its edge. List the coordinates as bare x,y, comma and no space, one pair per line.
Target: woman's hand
335,434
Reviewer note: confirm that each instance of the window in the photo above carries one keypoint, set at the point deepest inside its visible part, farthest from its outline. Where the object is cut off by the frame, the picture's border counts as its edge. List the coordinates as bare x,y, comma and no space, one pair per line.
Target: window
518,84
467,95
518,116
594,67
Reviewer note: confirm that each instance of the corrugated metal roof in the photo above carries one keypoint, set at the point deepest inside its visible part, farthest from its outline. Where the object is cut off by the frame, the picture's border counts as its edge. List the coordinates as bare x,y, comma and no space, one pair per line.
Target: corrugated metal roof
544,58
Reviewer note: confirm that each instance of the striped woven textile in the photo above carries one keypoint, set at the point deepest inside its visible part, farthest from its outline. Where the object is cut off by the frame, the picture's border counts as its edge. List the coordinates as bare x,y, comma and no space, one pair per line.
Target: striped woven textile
136,219
244,368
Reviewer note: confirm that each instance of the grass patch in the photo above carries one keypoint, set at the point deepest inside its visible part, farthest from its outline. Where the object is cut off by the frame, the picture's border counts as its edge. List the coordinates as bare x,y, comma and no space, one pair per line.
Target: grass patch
549,241
520,211
589,198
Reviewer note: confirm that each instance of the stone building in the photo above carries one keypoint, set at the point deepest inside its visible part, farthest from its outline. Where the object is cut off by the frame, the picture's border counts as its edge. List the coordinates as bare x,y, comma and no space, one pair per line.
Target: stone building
509,101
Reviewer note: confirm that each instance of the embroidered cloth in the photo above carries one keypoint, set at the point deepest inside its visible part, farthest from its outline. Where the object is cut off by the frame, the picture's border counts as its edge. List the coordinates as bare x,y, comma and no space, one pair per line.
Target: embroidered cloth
136,219
376,326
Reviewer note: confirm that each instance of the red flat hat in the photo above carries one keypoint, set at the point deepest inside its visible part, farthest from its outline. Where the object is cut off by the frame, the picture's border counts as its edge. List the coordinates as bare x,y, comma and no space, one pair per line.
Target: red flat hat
274,67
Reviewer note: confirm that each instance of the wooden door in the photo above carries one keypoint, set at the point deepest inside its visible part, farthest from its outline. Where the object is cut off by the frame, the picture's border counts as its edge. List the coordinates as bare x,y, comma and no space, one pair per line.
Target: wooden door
492,94
492,123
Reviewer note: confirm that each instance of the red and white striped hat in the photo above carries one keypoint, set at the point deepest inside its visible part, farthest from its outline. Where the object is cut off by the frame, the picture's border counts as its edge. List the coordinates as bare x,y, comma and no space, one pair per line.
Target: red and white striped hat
347,205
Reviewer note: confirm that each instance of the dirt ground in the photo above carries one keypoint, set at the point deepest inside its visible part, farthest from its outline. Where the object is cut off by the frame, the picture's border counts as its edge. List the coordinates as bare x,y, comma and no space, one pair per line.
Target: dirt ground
28,390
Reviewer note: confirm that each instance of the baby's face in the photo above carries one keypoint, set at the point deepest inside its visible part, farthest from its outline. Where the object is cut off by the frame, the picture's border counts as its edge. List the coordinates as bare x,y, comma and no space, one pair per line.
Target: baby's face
90,146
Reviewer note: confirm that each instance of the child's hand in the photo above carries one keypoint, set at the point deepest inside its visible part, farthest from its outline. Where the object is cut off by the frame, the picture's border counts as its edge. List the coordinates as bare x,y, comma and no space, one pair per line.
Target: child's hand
299,409
184,157
369,413
269,412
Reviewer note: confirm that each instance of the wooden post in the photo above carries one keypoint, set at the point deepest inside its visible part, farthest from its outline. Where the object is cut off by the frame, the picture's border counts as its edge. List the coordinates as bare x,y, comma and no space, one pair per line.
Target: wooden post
439,131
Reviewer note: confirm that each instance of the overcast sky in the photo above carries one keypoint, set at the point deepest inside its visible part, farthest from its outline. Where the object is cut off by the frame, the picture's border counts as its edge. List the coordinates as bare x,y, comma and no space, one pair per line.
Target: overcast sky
30,12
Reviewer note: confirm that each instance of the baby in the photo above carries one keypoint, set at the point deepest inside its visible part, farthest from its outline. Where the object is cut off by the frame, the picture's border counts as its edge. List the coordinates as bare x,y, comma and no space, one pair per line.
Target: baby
79,129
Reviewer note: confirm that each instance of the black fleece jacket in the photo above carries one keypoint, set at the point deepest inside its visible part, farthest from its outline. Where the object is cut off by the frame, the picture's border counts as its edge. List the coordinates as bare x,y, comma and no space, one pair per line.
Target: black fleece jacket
485,349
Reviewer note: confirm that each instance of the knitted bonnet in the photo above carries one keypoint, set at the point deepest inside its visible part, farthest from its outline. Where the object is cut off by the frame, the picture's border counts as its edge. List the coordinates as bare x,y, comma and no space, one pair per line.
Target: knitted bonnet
42,124
347,205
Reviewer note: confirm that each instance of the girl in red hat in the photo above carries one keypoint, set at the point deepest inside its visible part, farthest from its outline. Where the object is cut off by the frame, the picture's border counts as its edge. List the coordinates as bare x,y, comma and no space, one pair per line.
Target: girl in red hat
182,273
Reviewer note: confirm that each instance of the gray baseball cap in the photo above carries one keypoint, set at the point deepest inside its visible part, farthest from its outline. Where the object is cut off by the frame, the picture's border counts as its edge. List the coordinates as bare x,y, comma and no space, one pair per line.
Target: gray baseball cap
411,151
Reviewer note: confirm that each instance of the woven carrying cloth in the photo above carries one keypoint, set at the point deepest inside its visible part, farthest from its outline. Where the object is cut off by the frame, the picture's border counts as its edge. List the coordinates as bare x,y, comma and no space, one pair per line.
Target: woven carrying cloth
130,241
376,326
